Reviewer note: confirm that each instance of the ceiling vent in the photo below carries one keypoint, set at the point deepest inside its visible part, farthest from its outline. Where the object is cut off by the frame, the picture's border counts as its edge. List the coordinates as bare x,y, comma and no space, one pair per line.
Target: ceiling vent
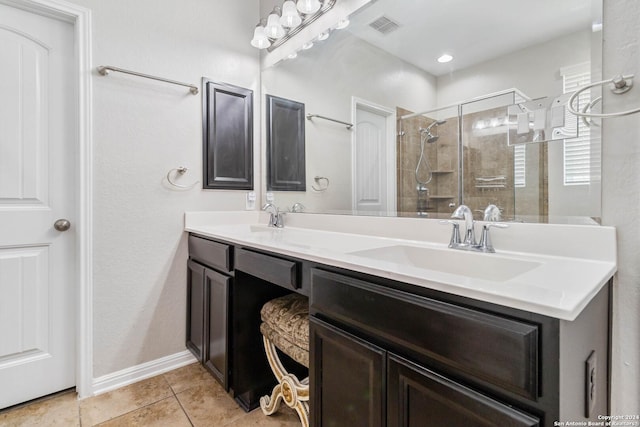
384,25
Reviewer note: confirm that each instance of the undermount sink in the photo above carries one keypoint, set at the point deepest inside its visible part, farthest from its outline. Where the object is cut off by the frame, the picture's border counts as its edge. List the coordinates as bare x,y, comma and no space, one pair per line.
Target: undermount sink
475,265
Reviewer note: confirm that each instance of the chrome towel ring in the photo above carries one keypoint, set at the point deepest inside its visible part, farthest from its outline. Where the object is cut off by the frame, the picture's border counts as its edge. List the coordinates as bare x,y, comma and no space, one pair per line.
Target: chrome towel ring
621,84
181,170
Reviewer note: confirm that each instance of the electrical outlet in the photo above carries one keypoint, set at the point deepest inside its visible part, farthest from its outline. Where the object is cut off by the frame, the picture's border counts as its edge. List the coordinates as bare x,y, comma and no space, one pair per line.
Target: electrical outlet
590,381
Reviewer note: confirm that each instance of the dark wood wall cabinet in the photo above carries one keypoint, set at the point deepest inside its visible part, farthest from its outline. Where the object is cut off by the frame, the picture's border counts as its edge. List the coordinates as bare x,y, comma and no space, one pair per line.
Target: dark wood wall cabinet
389,354
286,170
228,136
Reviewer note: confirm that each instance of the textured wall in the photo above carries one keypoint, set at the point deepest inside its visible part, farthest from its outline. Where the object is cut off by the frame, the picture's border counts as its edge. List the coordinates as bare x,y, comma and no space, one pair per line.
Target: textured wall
621,198
142,129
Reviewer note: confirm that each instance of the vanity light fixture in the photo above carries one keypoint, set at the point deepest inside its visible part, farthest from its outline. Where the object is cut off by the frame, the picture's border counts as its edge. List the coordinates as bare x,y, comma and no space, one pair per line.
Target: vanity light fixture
286,21
274,29
445,58
290,17
309,6
260,39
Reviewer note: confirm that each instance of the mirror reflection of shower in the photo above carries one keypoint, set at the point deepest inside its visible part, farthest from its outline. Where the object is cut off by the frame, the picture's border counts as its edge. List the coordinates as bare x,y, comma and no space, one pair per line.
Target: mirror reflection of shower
424,173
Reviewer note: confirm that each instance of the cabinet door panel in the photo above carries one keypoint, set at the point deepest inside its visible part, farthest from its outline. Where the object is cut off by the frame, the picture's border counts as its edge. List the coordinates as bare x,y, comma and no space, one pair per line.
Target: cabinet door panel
455,336
217,348
418,397
347,378
195,309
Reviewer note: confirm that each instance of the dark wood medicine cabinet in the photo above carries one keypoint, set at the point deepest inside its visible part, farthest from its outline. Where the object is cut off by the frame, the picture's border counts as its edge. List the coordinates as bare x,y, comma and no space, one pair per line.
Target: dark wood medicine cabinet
285,145
227,136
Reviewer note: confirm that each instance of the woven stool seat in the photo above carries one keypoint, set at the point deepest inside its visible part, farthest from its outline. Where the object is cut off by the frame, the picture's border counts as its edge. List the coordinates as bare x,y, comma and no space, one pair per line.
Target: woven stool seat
285,326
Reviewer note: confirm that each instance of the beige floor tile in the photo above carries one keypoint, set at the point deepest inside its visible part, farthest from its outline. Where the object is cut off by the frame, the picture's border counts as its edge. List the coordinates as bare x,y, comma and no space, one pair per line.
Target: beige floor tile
285,417
60,410
110,405
164,413
209,405
187,377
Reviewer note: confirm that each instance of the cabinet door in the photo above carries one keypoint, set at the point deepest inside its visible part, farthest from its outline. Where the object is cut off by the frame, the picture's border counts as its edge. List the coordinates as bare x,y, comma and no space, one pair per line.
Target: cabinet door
216,325
418,397
195,309
346,375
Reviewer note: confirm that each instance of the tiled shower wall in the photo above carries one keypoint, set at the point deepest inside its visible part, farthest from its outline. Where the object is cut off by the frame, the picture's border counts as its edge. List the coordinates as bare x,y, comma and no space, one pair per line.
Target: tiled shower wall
442,156
486,154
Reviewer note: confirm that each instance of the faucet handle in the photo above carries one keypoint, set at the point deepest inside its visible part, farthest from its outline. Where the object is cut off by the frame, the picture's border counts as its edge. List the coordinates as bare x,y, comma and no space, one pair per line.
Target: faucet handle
455,232
485,244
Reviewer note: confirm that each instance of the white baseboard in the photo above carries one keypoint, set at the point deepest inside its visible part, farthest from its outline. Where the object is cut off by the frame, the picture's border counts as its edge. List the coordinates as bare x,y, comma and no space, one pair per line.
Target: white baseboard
140,372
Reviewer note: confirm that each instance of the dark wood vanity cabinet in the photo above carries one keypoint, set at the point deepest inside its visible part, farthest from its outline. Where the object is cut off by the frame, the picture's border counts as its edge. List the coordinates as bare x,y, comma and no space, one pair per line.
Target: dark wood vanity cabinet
391,354
208,294
397,359
347,377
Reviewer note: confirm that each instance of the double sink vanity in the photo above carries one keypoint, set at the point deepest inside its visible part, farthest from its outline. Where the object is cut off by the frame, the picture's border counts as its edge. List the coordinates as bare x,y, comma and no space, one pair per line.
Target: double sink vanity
403,330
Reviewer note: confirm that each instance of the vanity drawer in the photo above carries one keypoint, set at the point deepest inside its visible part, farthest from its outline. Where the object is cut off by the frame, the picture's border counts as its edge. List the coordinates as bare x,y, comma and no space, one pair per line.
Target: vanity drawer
208,252
494,349
281,272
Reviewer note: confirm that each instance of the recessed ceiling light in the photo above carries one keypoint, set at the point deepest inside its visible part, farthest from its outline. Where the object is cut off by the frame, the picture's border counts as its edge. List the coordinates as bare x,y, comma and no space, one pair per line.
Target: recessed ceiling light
445,58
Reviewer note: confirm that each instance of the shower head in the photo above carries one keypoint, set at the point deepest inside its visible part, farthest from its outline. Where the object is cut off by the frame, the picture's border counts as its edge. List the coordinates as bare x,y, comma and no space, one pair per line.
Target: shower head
436,123
430,138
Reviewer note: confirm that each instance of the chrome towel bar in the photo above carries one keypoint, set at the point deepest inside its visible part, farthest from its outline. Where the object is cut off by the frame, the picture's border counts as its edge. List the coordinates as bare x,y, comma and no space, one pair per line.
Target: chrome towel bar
104,70
318,116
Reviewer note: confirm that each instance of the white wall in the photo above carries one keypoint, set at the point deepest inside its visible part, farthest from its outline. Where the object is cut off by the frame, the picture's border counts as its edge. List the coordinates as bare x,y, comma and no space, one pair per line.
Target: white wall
621,198
534,70
325,79
142,129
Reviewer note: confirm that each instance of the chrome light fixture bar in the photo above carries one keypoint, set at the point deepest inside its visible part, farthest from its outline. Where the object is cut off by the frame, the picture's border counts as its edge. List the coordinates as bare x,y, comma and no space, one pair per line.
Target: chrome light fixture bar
287,21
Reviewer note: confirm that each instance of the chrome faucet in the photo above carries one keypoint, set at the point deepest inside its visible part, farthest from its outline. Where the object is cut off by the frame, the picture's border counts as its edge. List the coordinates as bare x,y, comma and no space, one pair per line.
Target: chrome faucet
276,218
491,214
463,212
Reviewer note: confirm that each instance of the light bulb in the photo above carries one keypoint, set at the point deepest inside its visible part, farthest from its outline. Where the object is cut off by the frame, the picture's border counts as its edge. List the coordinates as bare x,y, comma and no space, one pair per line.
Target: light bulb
293,55
290,17
308,6
342,24
307,45
445,58
273,29
323,36
260,39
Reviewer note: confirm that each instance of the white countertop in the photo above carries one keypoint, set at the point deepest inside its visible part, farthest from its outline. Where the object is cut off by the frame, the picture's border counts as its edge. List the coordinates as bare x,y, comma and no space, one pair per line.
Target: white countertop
563,266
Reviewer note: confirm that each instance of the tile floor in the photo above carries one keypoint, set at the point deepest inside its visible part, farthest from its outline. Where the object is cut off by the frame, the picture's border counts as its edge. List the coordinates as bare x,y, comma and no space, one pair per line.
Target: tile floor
188,396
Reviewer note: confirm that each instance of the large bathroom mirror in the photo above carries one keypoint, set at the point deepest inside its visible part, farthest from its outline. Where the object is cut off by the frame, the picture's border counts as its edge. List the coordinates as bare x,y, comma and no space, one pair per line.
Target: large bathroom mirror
429,135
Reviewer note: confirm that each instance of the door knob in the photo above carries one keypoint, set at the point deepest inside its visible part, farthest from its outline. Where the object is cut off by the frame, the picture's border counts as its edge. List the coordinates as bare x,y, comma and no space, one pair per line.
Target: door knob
62,225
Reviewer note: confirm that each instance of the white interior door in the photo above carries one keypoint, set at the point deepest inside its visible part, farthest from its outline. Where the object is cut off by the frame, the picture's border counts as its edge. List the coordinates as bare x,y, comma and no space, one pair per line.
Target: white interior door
37,262
374,159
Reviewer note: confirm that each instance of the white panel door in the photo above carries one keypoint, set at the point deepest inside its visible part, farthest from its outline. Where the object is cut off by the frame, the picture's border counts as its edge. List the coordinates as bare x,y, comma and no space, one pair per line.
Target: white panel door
37,262
373,162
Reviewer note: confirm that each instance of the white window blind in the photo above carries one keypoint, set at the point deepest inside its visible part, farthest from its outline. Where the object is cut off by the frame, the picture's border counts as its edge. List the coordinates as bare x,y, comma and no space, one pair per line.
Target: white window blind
577,151
519,165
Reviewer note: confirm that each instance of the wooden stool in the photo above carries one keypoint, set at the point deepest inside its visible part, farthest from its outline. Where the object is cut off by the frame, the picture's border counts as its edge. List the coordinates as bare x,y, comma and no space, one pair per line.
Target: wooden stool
285,325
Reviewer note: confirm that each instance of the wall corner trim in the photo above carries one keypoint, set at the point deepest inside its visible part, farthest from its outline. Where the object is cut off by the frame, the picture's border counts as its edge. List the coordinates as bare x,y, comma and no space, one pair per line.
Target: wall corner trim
140,372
